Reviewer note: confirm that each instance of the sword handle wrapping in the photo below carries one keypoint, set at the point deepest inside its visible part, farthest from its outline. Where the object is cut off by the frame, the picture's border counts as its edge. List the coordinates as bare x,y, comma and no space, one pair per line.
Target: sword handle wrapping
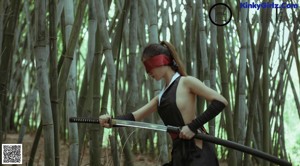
83,120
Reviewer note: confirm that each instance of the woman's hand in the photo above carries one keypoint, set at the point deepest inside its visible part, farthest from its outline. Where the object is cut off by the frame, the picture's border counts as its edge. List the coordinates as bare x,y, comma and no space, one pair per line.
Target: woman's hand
186,133
104,120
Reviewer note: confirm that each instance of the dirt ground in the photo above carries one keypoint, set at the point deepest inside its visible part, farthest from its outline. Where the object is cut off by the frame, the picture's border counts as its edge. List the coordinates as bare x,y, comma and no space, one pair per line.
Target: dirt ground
140,160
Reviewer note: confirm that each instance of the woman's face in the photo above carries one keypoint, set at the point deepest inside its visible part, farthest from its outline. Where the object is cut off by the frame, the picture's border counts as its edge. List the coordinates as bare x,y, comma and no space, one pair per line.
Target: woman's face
151,70
157,73
154,63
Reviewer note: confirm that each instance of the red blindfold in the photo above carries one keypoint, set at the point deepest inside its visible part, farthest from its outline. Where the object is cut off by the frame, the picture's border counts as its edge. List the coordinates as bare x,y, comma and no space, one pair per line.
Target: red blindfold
156,61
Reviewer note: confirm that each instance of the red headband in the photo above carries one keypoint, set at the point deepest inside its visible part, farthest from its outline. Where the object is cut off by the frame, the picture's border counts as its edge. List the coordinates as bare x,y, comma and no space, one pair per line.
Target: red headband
156,61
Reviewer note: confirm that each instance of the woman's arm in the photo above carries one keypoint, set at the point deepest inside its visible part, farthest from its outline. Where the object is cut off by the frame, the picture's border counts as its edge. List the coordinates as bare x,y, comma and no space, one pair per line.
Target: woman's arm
146,109
217,104
199,88
136,115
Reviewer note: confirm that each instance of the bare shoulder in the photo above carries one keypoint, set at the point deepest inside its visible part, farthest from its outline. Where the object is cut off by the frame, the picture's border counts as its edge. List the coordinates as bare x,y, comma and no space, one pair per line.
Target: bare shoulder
191,81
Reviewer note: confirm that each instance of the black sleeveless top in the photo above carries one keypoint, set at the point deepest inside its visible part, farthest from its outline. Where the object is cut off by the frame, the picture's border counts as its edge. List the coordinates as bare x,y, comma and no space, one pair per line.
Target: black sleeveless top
167,107
185,152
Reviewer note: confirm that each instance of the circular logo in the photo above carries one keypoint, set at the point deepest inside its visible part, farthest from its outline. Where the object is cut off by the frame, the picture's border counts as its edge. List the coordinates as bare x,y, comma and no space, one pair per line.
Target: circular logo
223,14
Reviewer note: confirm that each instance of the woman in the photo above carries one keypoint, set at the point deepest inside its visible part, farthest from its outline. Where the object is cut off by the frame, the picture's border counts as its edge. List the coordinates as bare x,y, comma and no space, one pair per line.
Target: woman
176,105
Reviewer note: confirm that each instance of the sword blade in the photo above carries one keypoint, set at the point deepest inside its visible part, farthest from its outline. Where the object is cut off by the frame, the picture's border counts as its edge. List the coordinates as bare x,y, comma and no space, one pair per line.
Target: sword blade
136,124
119,123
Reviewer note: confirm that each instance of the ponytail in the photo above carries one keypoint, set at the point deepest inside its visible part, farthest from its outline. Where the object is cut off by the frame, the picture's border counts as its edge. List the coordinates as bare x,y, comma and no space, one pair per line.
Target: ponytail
175,56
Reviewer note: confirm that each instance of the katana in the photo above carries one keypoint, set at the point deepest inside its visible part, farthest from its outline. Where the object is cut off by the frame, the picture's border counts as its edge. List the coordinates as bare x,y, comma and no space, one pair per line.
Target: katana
202,136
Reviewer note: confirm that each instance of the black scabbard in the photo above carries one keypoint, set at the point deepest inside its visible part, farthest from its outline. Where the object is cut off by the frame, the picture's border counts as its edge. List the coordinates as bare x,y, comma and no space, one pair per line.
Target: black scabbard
208,138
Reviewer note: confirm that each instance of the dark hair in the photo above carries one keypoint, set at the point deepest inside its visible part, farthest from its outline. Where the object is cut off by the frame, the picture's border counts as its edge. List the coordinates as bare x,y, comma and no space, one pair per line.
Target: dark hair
169,50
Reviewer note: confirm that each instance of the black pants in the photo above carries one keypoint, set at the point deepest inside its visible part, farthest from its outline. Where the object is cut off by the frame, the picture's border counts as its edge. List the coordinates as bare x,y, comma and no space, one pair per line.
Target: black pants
186,153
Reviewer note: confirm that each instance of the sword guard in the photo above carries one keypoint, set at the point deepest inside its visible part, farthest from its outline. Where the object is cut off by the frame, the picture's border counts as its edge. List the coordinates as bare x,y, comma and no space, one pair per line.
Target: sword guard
112,122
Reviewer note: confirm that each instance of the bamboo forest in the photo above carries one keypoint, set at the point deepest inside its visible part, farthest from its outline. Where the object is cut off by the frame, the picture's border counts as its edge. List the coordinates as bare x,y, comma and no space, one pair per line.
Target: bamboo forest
83,58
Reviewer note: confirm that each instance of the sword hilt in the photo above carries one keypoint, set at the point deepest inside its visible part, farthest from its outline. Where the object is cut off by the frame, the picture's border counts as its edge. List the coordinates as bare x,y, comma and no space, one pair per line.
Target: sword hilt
83,120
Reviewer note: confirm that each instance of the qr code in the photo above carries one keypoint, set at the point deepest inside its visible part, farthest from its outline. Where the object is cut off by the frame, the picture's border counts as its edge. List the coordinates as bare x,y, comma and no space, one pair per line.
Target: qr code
11,153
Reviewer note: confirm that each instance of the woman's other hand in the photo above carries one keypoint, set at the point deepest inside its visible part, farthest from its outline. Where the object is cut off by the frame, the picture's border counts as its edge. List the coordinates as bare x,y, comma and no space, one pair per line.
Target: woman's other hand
104,120
186,133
